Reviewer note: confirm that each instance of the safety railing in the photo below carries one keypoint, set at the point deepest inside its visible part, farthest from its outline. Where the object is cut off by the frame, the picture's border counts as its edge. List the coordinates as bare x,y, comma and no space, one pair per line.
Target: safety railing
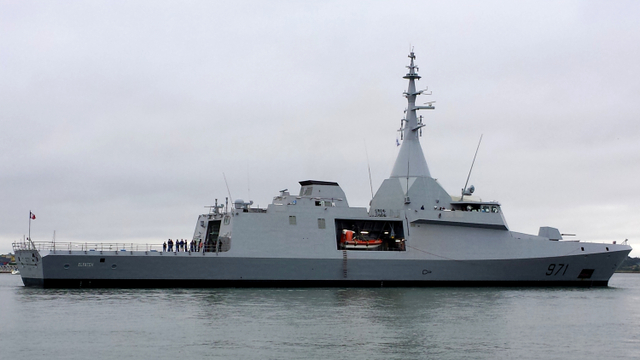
86,246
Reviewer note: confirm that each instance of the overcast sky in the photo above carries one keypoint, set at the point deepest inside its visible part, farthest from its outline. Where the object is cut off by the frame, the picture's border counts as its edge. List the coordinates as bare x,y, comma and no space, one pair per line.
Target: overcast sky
119,119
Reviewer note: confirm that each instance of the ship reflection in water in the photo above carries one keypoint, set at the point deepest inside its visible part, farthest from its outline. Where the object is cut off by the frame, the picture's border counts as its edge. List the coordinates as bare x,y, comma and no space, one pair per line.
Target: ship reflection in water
322,323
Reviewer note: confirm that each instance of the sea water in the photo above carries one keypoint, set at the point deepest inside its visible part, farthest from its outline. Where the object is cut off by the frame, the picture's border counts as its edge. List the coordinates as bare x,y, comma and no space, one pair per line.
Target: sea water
321,323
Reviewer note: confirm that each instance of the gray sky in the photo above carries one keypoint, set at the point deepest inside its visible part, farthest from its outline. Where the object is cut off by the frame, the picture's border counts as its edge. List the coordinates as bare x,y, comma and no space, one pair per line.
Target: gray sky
118,119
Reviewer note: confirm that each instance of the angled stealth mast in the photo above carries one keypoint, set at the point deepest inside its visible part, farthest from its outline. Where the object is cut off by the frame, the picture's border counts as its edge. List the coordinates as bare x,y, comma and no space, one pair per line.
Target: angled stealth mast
410,185
411,161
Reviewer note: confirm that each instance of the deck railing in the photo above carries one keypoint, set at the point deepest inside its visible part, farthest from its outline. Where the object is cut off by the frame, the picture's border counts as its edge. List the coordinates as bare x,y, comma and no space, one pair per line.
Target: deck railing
86,246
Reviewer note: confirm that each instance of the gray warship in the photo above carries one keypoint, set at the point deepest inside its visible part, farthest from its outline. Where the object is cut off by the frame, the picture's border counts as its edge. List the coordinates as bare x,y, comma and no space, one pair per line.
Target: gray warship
413,234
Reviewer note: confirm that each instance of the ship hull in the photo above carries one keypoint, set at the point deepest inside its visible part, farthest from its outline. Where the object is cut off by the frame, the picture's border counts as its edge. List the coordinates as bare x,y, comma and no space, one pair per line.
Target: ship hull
186,270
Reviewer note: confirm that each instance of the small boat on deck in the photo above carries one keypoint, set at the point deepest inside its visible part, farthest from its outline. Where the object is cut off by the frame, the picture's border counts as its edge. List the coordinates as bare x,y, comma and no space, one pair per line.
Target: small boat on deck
348,241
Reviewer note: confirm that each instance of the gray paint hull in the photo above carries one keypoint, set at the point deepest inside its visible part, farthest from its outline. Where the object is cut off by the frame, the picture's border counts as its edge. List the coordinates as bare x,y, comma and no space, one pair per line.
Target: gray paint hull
140,269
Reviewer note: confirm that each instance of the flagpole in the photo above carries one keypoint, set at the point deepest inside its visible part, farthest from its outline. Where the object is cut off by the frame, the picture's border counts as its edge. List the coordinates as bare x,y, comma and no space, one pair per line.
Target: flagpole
30,242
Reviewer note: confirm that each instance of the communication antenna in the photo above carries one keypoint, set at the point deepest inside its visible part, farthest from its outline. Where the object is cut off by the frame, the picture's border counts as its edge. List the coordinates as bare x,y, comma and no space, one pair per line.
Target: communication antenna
471,189
227,185
248,183
368,167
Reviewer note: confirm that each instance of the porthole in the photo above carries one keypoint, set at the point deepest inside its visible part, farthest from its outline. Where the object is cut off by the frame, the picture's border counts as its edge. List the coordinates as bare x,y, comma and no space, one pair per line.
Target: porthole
607,248
114,266
582,248
66,266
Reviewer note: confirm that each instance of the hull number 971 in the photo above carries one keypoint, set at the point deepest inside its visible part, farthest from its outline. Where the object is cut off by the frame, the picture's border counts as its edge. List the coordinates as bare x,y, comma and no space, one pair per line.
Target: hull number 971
555,269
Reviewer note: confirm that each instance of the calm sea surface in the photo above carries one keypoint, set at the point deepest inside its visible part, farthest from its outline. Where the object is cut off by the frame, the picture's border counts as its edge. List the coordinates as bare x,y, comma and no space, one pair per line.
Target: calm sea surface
323,323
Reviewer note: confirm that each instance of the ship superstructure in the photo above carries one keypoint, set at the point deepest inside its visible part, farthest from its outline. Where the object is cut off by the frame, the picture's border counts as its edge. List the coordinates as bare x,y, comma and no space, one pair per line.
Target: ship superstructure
413,234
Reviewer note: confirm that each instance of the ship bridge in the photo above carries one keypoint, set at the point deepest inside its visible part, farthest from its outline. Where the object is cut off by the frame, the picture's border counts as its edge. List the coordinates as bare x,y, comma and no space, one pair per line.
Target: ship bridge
411,193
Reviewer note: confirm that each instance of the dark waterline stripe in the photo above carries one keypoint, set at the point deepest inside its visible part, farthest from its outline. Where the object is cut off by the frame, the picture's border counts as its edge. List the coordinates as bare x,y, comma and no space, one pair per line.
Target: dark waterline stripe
141,283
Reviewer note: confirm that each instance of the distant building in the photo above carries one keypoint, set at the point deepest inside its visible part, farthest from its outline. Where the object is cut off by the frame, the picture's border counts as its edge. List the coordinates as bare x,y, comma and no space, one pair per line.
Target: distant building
7,258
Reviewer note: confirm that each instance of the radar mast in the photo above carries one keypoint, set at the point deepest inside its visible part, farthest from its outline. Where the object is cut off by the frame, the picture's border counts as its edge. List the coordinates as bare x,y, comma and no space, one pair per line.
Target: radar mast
411,161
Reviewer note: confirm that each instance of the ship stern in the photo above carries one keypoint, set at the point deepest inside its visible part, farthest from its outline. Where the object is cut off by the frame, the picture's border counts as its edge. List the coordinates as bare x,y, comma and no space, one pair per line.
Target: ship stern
29,264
